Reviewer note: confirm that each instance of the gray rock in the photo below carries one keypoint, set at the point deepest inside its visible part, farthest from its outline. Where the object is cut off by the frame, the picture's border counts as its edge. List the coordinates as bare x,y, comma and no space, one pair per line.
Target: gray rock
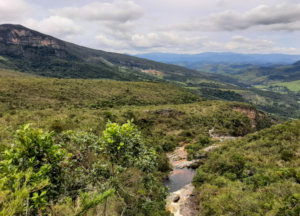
186,164
210,148
176,198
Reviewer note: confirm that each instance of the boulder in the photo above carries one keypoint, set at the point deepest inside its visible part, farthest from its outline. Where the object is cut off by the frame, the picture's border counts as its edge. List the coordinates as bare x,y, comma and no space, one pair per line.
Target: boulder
176,198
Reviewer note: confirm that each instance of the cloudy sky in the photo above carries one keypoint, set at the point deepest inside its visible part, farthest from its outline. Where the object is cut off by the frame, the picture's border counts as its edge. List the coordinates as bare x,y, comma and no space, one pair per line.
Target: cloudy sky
176,26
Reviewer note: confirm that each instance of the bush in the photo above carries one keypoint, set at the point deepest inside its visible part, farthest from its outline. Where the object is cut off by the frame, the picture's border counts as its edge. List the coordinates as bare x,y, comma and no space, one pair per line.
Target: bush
230,176
287,155
35,149
57,126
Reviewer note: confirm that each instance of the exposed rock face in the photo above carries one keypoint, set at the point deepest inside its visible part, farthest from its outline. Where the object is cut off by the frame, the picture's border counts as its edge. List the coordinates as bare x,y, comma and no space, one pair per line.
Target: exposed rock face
19,35
211,148
176,198
252,113
185,164
153,72
184,206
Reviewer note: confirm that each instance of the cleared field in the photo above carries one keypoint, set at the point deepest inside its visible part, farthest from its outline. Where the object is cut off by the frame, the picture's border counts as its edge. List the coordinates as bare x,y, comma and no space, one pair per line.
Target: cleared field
293,86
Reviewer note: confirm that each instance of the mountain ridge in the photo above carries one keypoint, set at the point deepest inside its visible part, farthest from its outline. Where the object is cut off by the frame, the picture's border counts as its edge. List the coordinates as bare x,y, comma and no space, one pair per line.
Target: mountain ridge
27,50
221,57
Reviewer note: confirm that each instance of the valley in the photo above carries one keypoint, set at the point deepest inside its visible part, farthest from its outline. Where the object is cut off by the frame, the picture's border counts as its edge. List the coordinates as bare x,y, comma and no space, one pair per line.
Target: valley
89,132
78,111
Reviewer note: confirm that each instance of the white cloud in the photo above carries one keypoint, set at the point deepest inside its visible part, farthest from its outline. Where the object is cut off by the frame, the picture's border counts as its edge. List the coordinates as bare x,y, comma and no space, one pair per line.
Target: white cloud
103,40
285,16
164,40
174,43
242,43
152,41
13,10
120,11
55,26
120,31
247,45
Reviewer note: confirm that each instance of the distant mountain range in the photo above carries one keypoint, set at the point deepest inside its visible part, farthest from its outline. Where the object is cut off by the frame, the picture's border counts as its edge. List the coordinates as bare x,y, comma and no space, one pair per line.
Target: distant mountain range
221,57
29,51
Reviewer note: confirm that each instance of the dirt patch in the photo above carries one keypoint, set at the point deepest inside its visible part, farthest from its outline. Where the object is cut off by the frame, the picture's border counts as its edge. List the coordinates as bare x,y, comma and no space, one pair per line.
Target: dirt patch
153,72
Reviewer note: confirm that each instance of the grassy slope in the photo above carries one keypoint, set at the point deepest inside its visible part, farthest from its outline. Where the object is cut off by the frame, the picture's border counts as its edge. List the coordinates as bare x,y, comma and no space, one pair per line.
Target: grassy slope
293,86
32,93
255,175
86,104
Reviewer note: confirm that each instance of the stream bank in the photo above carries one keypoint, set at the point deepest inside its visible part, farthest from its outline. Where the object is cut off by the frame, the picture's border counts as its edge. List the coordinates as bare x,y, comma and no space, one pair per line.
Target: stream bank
182,201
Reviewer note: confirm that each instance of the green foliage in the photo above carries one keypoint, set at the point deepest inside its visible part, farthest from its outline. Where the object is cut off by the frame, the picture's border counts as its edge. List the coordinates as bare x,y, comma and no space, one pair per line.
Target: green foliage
287,155
35,149
15,190
89,201
255,175
124,146
193,148
18,93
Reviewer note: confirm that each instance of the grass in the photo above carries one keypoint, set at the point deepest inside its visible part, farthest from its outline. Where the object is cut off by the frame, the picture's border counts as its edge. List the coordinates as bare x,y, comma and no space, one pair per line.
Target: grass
196,117
293,86
88,104
4,73
38,93
237,91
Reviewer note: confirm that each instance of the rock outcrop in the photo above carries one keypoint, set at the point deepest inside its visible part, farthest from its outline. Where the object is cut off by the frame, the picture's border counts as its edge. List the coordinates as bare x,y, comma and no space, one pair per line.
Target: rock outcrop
20,35
185,164
252,113
185,206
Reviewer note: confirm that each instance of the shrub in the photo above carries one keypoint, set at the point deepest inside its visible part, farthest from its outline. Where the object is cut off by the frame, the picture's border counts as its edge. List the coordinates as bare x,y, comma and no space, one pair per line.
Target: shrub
230,176
35,149
287,155
57,126
220,181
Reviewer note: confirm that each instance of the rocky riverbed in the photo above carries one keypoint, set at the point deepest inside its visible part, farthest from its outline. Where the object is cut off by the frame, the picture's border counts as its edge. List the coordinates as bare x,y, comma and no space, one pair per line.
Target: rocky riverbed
182,201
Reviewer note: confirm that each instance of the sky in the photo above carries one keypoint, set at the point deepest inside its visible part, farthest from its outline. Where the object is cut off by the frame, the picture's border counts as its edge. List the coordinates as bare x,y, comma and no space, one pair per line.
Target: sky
169,26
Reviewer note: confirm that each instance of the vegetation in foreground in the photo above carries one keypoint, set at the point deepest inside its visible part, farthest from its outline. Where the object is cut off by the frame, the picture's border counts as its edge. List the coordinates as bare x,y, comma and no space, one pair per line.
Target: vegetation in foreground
69,166
255,175
74,172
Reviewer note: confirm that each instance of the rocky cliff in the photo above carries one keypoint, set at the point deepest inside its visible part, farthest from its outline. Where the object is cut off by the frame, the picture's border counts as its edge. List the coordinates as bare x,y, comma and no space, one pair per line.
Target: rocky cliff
19,35
258,118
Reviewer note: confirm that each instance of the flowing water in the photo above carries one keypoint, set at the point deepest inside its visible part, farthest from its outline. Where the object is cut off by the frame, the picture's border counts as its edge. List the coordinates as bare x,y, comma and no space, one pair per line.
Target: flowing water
179,178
